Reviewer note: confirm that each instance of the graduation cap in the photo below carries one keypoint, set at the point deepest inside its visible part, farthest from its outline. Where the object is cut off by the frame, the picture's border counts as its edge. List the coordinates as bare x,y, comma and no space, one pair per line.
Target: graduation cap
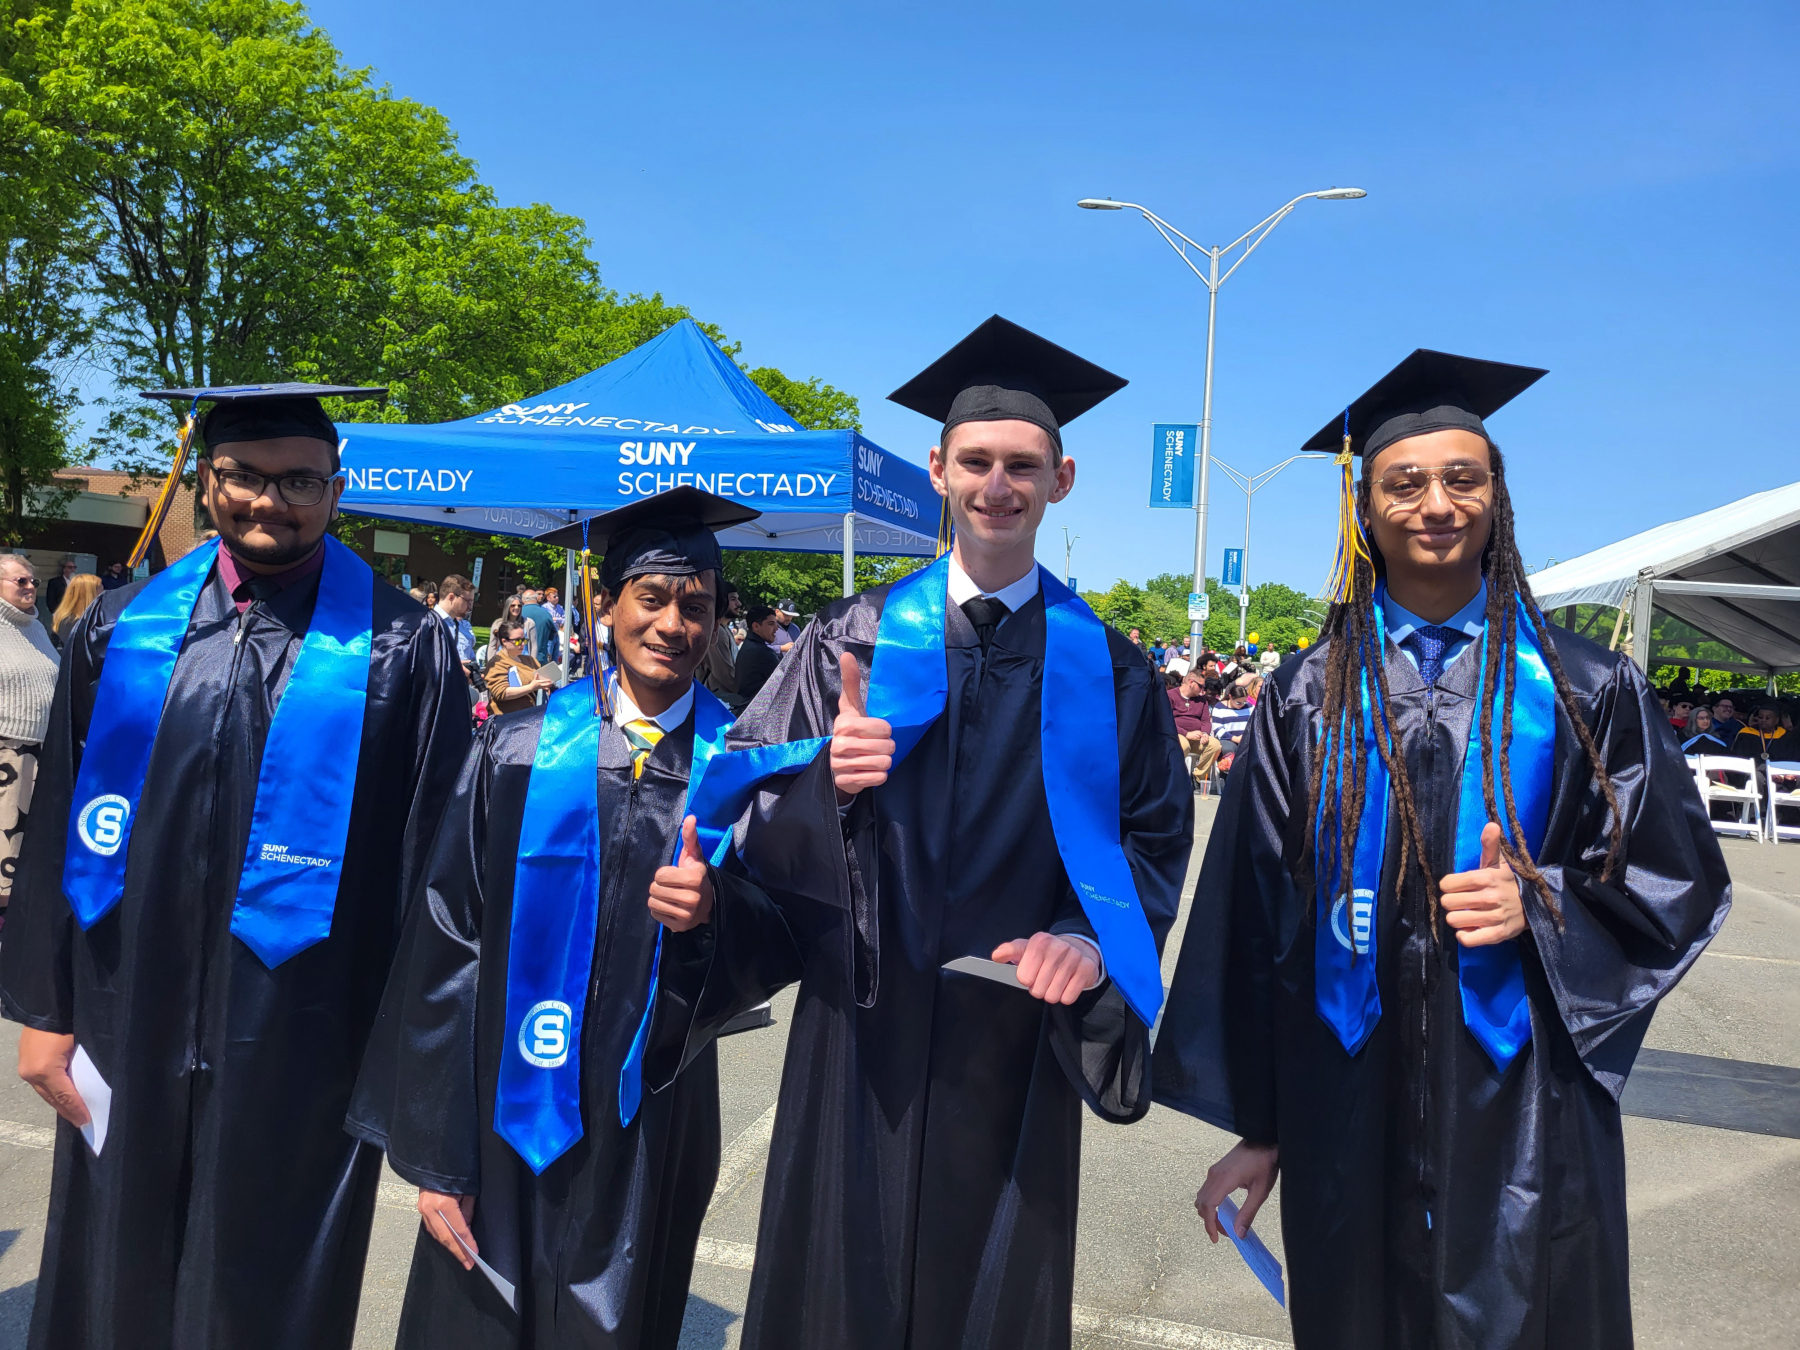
264,412
1002,372
668,534
1428,391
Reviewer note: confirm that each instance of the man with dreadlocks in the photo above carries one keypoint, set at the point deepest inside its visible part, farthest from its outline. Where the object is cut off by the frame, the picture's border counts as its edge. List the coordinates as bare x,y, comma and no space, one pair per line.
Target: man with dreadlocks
1460,861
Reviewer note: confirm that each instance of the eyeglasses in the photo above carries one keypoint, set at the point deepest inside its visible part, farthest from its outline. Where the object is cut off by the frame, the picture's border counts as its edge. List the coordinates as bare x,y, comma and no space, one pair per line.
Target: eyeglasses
23,581
1408,486
296,489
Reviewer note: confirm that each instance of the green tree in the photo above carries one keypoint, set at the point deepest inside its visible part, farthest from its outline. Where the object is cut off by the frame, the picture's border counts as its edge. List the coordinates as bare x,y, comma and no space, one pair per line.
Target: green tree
44,324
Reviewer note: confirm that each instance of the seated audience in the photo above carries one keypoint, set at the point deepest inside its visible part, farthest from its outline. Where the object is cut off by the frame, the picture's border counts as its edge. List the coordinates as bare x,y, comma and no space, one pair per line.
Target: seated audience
1193,725
1764,738
1701,737
1725,718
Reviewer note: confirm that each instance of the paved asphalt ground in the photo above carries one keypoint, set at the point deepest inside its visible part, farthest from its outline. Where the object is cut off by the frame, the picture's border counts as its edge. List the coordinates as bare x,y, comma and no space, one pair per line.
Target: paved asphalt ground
1715,1213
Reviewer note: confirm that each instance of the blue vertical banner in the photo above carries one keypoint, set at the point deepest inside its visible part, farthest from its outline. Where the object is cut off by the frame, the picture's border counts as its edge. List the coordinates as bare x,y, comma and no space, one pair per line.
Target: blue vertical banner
1233,574
1172,465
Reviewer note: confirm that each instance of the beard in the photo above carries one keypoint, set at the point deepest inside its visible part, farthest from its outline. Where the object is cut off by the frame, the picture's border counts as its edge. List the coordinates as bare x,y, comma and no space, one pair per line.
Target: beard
274,555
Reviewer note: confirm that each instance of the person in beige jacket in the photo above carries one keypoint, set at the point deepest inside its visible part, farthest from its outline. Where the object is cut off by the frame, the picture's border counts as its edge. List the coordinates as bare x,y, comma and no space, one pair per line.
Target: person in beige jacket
28,665
513,677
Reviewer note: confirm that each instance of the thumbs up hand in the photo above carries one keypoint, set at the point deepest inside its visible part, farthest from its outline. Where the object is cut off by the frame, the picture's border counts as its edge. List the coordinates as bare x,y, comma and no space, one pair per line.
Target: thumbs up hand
681,897
1484,906
862,747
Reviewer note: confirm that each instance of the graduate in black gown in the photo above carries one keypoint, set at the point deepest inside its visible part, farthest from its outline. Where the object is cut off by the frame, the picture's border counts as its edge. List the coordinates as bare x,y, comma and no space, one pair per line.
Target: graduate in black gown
227,1207
1442,1109
923,1173
600,1242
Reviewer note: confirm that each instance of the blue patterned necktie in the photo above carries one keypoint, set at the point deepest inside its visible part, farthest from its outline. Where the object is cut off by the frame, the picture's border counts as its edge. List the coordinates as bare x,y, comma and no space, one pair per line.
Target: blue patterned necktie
1429,644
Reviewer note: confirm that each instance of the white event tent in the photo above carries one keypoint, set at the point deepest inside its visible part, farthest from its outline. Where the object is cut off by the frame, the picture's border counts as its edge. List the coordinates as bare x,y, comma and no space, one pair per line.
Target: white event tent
1733,573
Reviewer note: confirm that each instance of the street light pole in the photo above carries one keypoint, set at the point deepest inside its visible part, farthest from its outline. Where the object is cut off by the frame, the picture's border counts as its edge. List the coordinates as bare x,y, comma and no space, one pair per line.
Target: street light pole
1068,548
1211,279
1251,483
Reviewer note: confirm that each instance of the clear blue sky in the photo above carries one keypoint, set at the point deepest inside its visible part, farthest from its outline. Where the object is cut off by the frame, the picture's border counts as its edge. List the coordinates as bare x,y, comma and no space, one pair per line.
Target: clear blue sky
1608,190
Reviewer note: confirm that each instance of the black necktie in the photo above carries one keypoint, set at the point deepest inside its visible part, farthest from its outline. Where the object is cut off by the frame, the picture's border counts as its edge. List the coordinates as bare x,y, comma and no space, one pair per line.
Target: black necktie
254,588
986,614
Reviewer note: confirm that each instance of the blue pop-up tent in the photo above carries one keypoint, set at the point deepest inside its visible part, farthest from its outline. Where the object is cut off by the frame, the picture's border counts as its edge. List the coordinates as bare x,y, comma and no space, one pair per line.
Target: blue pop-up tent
676,410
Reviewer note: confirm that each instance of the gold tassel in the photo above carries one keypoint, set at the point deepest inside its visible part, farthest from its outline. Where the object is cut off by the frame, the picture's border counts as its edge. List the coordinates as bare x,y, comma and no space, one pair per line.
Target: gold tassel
159,510
597,671
944,528
1352,543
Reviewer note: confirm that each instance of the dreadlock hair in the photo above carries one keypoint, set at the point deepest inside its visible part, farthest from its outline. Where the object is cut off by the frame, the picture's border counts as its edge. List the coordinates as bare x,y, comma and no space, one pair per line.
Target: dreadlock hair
1354,653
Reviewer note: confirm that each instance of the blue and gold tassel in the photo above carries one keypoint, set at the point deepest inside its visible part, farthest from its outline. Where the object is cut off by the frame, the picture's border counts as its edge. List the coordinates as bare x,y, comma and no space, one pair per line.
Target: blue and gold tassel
1352,543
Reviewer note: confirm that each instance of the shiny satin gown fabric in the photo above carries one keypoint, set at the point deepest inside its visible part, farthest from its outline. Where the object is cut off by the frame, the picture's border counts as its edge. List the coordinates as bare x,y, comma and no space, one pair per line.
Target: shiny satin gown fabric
229,1078
923,1175
1430,1199
601,1242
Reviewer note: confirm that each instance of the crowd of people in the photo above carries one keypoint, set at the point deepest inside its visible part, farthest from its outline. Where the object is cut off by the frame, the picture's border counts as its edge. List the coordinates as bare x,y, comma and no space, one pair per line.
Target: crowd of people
284,914
1745,724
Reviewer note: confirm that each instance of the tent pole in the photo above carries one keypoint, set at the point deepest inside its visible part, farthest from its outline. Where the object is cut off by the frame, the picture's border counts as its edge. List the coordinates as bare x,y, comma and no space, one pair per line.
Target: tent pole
1642,602
849,553
568,599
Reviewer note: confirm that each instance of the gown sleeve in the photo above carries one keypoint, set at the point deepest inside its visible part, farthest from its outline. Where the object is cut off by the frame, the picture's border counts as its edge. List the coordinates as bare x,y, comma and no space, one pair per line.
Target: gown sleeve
1621,944
713,972
796,842
416,1094
1102,1045
1215,1050
37,955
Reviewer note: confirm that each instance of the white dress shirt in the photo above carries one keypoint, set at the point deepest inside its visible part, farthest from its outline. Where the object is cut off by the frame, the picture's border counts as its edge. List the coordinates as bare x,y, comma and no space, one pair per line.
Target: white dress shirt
624,710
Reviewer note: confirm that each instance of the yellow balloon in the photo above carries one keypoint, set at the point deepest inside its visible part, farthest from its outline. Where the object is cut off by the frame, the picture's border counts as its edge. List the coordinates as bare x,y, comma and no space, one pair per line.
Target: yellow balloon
1254,638
1303,642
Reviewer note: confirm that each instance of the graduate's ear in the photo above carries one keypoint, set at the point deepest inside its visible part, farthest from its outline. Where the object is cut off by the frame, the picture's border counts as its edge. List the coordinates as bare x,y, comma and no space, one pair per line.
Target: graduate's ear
1065,479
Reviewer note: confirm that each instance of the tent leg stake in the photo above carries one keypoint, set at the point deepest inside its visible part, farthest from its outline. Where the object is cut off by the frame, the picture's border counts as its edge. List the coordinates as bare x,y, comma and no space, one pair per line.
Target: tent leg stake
849,553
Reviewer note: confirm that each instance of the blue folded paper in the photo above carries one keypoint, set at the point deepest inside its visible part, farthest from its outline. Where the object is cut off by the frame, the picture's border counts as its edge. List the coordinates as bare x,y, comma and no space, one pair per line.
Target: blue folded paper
1259,1258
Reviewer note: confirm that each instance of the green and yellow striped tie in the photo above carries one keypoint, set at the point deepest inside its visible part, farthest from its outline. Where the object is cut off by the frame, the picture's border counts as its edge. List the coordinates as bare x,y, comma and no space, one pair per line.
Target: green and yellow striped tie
643,735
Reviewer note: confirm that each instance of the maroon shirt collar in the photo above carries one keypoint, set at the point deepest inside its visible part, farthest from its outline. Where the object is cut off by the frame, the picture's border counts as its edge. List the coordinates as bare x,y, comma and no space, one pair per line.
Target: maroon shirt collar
236,577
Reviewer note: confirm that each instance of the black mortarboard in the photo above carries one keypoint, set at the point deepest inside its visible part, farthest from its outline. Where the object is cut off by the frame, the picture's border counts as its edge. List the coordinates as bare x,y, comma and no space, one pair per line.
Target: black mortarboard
669,534
1428,391
1002,372
263,412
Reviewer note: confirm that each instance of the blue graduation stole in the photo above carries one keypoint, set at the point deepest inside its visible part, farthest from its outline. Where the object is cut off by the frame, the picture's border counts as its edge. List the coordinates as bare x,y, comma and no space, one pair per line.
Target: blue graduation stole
288,887
555,917
1491,978
908,688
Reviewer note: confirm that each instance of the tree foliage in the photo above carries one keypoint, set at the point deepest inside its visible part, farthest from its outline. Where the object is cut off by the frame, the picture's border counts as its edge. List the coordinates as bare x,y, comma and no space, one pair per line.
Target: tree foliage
44,328
1279,615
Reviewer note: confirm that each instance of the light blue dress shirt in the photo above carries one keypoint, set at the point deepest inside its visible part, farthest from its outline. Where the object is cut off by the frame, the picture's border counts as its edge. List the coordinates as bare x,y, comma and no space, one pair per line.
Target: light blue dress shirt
1468,621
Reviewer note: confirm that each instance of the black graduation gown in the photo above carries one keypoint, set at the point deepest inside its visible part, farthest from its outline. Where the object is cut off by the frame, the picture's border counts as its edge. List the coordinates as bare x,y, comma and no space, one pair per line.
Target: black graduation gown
601,1245
229,1208
924,1168
1428,1200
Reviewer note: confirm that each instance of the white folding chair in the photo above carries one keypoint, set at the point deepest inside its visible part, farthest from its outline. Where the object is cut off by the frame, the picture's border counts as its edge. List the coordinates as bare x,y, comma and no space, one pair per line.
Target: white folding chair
1784,790
1693,763
1746,798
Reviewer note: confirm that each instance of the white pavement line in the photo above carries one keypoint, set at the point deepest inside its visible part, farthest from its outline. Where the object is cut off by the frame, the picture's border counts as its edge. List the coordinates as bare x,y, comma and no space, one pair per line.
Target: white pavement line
26,1136
744,1156
1089,1321
731,1255
1738,956
1171,1335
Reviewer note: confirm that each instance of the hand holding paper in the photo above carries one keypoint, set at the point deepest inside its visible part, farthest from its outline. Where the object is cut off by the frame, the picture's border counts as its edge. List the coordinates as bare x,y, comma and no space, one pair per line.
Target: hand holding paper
44,1059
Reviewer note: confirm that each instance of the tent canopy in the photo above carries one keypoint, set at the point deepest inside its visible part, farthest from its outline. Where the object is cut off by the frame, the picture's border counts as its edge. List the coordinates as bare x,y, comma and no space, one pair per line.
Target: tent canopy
677,410
1733,573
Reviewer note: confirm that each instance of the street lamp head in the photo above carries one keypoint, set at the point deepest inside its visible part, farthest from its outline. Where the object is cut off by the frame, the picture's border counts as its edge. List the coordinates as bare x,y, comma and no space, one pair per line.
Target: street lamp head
1340,194
1100,204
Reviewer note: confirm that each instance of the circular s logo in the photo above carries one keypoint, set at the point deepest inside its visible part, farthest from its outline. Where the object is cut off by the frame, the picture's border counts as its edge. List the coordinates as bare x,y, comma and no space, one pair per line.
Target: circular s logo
101,823
1362,916
544,1034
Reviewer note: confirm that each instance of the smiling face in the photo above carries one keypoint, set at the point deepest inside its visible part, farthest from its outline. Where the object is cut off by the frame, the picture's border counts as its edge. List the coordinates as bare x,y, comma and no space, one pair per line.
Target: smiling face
999,478
259,524
1437,530
660,627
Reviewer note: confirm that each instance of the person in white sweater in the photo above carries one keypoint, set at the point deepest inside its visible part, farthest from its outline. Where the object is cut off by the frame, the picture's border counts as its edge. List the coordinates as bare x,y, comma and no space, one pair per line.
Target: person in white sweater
28,664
